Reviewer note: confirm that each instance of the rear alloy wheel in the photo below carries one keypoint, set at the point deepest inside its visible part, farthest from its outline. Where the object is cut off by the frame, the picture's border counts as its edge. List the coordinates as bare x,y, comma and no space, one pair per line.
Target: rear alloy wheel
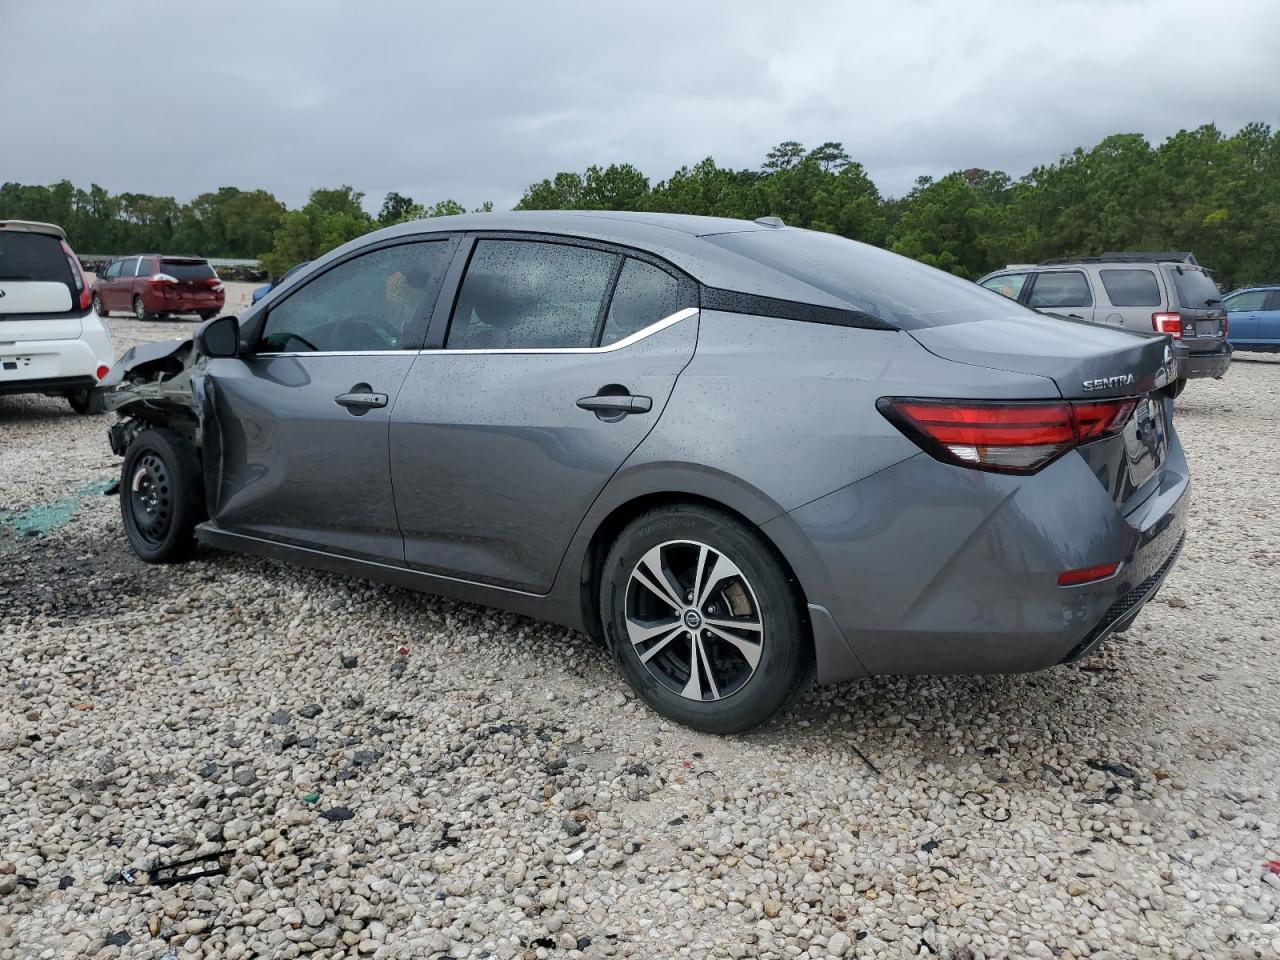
161,496
704,620
140,310
98,308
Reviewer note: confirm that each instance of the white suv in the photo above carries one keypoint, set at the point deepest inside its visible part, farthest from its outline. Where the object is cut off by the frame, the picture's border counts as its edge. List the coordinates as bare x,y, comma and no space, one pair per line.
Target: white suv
51,340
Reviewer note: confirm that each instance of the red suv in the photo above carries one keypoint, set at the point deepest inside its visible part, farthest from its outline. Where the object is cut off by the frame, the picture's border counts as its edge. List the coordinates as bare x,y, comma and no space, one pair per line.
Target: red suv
151,285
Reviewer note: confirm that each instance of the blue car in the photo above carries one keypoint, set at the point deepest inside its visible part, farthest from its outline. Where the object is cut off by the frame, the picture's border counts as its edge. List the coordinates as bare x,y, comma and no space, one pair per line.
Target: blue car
1254,315
263,291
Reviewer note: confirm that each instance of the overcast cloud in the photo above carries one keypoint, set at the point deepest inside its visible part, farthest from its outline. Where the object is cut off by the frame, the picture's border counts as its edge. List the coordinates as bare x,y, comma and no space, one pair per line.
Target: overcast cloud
476,100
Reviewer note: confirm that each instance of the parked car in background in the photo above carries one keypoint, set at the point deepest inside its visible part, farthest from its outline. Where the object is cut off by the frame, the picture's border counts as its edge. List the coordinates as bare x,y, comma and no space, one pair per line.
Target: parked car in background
262,291
150,285
738,453
1163,292
51,340
1255,318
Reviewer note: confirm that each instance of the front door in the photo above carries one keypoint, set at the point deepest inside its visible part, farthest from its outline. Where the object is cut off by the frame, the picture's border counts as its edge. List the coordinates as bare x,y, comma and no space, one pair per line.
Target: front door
303,419
557,362
1244,314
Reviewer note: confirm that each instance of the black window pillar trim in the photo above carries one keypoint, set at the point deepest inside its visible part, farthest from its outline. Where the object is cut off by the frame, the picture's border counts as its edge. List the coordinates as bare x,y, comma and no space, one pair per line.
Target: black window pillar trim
734,301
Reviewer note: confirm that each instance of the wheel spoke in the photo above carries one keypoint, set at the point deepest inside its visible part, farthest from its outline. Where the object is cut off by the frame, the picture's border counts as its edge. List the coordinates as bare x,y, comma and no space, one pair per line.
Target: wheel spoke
693,689
657,580
642,631
750,649
706,665
737,623
722,570
660,645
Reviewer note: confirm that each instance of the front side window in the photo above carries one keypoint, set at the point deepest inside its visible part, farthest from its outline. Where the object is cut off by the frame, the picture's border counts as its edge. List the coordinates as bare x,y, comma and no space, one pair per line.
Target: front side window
1007,284
1131,288
525,294
1067,288
1246,302
644,295
113,270
367,303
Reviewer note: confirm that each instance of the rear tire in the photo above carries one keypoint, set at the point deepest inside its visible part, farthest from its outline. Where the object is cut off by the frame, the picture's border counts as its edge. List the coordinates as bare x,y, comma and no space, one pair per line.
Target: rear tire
98,308
161,496
208,314
90,401
722,644
140,310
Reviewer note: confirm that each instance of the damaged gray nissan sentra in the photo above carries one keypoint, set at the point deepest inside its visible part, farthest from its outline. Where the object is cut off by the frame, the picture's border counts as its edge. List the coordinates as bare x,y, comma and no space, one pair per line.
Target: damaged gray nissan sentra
737,453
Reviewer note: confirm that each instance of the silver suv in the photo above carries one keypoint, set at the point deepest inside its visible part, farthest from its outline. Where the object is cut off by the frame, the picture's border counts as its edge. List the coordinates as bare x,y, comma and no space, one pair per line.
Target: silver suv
1167,293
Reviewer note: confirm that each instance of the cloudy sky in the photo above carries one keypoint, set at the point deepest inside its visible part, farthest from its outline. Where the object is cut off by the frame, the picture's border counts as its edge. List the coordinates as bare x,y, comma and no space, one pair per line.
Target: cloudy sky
476,100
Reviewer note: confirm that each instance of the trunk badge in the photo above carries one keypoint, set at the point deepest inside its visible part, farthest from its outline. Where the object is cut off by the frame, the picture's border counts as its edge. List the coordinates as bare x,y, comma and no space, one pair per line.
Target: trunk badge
1107,383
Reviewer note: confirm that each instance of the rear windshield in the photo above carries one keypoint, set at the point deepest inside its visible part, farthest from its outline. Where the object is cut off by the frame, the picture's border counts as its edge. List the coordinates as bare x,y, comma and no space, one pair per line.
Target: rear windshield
34,256
902,292
187,269
1195,290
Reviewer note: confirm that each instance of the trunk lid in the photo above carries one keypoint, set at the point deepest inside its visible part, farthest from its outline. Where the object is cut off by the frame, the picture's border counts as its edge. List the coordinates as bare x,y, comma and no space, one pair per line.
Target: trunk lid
1086,362
195,279
1204,319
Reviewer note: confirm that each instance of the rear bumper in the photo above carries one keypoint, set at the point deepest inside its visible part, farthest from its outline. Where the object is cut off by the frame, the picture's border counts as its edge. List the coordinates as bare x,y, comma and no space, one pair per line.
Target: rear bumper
39,366
158,304
926,568
1195,365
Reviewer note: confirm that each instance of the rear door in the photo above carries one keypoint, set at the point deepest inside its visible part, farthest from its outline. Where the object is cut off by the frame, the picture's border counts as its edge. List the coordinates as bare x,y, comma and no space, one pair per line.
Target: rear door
1269,321
1065,292
195,282
555,363
1133,294
303,419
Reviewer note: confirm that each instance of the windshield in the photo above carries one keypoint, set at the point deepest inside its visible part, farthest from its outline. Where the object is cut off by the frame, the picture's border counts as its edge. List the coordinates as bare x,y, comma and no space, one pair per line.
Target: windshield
1195,290
898,290
187,269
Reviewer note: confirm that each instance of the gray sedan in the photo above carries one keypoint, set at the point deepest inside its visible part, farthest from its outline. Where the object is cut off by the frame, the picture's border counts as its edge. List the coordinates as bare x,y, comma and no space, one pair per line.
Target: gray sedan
740,455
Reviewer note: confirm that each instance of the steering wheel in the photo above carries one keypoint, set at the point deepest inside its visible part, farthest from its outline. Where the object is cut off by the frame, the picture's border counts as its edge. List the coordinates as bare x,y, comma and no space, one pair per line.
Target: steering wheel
302,340
368,328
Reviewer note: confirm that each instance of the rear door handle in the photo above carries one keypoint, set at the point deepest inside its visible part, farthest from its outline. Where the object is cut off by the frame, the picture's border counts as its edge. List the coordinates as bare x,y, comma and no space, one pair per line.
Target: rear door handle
615,404
361,400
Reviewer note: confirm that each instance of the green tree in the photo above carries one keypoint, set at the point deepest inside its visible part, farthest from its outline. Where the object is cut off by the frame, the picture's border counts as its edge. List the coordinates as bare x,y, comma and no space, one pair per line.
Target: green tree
329,219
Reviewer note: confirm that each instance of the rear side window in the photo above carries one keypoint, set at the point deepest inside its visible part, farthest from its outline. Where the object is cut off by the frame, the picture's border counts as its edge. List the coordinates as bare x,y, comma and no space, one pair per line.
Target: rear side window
1131,288
1245,302
1067,288
146,267
1195,290
187,269
1007,284
898,290
644,295
521,294
1274,302
370,302
34,256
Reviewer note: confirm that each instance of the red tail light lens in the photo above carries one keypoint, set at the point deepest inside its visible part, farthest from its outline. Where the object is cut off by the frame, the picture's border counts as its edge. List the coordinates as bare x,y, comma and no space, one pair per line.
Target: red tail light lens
1011,437
78,275
102,371
1170,323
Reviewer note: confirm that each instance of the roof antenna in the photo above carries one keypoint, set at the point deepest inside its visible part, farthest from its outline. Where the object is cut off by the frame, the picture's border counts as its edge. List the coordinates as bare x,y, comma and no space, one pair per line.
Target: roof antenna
774,222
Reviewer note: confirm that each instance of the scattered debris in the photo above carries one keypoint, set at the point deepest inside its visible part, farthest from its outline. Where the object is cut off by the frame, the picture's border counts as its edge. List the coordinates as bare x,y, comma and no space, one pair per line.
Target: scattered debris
337,814
572,827
992,814
166,875
119,938
64,883
311,711
349,662
311,797
575,855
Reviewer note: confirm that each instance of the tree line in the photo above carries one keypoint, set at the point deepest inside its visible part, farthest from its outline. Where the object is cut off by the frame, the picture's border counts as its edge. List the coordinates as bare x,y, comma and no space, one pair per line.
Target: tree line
1198,190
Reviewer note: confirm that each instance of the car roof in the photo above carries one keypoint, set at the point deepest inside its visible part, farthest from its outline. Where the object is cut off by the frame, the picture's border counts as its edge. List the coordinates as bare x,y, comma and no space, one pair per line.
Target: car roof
680,239
33,226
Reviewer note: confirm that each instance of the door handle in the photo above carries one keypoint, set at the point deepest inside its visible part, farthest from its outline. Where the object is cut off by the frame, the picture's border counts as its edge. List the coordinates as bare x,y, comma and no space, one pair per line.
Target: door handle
619,405
1075,316
363,401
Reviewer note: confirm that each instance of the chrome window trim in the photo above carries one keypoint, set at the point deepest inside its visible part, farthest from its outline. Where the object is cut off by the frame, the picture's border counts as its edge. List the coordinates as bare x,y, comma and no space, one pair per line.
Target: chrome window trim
636,337
407,352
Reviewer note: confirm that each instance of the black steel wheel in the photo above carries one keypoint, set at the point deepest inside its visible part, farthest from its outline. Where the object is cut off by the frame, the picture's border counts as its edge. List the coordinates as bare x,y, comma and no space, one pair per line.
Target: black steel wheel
161,496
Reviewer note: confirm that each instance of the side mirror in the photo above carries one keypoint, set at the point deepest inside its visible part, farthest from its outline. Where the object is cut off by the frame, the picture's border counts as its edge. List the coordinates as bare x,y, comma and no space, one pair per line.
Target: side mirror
219,337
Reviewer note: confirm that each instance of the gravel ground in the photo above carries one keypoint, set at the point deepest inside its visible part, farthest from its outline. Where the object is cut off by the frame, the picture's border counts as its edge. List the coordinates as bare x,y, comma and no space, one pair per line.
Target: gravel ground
394,775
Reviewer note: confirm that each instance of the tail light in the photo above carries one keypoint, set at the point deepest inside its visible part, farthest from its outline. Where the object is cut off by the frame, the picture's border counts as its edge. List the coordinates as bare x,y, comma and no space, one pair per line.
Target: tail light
1004,437
102,371
78,275
214,283
1170,323
1226,324
1074,578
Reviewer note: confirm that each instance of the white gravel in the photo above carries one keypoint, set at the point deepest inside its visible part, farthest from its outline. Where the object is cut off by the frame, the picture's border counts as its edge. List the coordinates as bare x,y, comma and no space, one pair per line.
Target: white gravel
476,784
